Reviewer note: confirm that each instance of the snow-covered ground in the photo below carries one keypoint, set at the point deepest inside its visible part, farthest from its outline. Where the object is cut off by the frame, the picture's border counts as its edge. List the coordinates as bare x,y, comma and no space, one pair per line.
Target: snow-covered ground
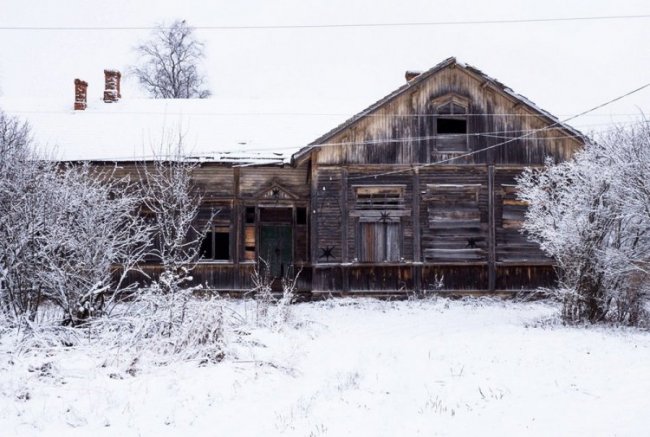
349,367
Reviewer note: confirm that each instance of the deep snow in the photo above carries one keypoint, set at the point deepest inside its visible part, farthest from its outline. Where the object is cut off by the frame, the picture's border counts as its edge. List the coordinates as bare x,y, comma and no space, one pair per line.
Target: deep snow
349,367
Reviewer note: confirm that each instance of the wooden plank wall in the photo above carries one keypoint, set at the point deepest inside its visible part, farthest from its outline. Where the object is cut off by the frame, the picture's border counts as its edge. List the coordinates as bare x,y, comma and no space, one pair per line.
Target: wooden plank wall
403,131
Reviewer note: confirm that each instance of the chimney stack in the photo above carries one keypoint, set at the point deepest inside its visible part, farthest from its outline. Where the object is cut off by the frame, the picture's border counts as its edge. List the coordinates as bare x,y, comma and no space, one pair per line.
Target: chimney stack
80,94
112,86
410,75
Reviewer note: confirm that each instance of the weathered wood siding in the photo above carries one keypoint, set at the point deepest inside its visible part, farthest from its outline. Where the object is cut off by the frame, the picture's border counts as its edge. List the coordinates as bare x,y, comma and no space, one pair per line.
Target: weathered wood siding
459,219
403,130
417,194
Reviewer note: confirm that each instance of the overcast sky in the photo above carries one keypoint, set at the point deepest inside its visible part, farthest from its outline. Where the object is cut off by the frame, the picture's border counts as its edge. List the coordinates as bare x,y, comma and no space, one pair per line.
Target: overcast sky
565,67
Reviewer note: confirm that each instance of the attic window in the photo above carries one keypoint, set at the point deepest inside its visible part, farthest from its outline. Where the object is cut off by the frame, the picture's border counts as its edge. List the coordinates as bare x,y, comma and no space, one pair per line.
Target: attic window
452,126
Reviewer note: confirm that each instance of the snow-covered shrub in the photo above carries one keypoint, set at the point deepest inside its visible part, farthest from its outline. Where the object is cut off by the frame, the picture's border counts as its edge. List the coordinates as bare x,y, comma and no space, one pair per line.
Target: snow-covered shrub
172,202
272,309
177,326
63,228
592,215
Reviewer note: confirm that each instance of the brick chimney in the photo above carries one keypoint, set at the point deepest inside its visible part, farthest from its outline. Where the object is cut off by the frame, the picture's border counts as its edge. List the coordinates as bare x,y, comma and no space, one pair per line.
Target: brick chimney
410,75
80,94
112,86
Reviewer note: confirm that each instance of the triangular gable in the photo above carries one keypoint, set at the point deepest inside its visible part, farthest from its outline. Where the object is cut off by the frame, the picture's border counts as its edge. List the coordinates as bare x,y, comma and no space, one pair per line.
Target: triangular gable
275,191
413,83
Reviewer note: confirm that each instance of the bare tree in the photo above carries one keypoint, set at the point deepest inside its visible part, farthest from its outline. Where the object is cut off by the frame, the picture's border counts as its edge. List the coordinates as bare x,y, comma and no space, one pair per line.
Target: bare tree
63,230
169,63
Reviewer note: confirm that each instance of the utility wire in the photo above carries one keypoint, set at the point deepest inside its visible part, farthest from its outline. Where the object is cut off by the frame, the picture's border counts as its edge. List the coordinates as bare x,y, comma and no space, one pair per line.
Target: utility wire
293,114
263,153
336,26
558,123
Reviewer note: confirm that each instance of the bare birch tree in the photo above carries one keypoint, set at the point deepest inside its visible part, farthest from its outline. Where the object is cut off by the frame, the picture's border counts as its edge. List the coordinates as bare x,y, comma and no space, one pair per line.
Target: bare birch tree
169,63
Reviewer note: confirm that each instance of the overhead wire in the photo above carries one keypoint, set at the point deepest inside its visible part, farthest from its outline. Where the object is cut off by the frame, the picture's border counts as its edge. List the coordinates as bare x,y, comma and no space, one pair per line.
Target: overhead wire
315,114
555,125
338,25
278,151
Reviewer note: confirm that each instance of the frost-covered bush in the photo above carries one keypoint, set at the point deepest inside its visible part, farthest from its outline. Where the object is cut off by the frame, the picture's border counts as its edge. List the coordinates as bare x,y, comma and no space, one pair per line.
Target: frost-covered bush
63,228
592,215
273,310
172,203
170,327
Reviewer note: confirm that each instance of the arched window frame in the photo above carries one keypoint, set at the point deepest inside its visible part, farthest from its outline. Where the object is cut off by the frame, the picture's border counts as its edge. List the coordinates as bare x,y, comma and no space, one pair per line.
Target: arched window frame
451,124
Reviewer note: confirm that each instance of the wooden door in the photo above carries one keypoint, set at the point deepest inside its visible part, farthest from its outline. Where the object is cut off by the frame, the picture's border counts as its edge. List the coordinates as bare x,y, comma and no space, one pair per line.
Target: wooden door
276,249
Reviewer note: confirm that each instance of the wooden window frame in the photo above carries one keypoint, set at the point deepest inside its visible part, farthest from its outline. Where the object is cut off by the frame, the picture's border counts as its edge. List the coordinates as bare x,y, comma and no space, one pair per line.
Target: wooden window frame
377,208
212,232
445,142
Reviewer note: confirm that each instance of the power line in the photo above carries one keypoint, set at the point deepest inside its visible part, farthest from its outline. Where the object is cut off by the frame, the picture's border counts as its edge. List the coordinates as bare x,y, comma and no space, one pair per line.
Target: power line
337,25
558,123
263,153
293,114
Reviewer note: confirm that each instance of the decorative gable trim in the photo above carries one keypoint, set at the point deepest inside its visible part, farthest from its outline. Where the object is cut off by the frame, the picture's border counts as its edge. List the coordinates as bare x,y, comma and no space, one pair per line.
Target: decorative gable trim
276,192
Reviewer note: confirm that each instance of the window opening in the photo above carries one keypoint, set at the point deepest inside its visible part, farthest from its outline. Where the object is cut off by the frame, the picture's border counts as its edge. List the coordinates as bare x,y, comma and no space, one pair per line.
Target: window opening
216,244
301,216
250,214
452,126
380,197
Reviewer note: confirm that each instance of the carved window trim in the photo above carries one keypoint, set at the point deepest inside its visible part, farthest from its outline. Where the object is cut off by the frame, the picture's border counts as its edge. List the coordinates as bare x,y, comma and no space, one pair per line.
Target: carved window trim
451,124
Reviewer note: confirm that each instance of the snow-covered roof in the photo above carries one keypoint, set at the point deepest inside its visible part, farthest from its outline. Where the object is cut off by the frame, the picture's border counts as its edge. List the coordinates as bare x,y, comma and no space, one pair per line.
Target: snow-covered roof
246,131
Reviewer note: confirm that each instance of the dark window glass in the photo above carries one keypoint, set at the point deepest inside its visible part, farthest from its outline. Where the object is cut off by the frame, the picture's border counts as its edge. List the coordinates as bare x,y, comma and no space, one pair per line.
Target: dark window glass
452,126
216,245
207,251
222,245
301,216
250,214
276,215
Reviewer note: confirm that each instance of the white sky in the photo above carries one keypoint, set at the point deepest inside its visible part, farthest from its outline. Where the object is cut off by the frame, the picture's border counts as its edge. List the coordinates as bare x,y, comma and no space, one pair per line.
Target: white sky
564,67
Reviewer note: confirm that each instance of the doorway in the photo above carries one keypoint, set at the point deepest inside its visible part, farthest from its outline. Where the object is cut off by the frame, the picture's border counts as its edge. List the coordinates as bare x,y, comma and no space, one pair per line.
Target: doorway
276,241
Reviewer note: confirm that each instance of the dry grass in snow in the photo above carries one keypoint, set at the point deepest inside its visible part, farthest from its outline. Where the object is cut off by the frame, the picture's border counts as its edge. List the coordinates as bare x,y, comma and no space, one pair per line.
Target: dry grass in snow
347,367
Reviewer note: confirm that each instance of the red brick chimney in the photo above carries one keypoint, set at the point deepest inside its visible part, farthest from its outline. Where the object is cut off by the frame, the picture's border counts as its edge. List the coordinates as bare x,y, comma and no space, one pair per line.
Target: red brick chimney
112,86
410,75
80,94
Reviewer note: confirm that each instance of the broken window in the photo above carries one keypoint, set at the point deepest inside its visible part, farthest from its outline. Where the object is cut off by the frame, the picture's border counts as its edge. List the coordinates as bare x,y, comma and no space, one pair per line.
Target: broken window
216,244
451,127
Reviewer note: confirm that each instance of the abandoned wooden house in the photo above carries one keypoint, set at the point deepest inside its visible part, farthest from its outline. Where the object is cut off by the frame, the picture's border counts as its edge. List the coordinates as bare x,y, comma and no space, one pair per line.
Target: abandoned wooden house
414,193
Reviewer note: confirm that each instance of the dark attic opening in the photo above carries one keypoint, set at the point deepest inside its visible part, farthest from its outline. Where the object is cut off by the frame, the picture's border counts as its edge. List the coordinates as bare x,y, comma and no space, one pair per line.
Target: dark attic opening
452,126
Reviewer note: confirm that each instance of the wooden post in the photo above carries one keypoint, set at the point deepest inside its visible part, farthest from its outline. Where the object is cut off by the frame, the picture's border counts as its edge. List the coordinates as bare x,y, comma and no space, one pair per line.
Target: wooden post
344,230
417,250
491,231
236,220
313,217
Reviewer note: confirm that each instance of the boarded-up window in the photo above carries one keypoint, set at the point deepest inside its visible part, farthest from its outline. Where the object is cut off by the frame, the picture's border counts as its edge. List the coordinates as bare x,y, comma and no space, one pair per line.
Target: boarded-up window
377,206
379,242
514,210
511,244
457,231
